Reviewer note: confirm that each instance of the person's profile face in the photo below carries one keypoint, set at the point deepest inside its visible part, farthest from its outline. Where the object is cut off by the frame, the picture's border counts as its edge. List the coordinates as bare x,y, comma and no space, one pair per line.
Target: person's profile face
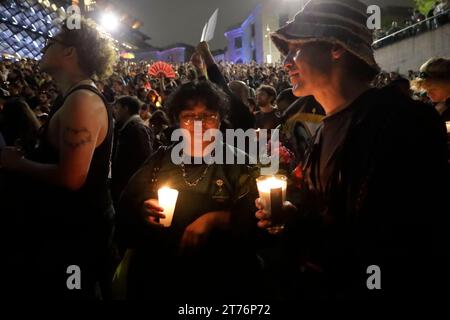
120,113
52,54
438,93
292,69
306,66
262,98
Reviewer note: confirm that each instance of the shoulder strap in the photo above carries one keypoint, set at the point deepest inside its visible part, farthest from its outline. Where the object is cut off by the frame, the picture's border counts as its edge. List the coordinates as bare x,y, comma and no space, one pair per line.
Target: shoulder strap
61,99
60,102
85,87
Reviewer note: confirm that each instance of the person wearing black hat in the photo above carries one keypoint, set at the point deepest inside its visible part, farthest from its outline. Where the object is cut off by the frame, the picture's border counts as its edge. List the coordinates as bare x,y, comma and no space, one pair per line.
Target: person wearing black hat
374,175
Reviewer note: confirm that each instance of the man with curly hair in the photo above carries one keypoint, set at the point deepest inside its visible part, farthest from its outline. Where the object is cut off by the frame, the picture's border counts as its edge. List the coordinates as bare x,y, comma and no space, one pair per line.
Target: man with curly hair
71,208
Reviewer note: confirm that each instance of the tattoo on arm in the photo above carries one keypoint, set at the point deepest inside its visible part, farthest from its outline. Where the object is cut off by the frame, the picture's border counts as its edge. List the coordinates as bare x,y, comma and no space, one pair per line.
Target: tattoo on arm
75,138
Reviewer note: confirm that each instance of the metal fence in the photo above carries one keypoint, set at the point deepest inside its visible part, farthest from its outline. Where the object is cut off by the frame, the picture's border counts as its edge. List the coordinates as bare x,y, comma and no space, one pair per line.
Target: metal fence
414,29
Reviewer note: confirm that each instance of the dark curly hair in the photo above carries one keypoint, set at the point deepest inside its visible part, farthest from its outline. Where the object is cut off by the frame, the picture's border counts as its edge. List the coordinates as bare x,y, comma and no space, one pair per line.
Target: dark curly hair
271,92
190,94
95,52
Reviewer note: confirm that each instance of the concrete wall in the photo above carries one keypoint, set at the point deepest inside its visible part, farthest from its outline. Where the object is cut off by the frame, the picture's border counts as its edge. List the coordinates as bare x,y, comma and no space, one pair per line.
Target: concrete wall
411,53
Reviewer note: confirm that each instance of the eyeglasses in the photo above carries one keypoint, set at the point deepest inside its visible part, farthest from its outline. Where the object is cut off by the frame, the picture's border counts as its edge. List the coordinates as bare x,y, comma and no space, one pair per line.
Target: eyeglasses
51,41
207,118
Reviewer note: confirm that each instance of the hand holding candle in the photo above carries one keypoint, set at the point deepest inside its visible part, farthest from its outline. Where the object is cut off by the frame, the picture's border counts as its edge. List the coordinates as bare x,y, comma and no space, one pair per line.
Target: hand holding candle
272,192
273,209
167,199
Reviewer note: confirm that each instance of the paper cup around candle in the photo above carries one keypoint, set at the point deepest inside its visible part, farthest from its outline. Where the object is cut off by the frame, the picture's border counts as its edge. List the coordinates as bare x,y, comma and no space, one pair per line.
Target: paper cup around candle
447,124
167,199
272,192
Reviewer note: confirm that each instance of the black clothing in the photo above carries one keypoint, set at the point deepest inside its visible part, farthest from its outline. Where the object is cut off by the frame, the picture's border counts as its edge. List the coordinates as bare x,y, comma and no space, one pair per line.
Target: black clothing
445,116
108,93
267,120
299,124
133,144
225,266
380,203
333,132
240,116
71,227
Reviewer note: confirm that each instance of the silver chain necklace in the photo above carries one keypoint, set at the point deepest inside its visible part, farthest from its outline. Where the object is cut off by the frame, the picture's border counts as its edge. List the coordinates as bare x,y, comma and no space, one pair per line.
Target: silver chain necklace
196,181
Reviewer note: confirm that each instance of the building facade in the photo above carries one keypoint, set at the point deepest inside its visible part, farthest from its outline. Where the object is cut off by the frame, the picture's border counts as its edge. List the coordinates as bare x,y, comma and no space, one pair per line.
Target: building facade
176,53
25,24
250,40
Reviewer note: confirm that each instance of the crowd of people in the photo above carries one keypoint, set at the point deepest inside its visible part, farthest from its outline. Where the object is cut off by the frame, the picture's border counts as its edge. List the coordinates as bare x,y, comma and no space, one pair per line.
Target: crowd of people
437,16
86,144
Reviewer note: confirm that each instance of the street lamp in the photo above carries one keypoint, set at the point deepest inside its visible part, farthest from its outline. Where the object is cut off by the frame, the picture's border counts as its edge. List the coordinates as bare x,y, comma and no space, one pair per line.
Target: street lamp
110,21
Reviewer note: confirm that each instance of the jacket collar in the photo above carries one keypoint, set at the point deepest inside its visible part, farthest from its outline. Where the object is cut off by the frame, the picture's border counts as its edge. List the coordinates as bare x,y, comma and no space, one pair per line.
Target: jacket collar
135,117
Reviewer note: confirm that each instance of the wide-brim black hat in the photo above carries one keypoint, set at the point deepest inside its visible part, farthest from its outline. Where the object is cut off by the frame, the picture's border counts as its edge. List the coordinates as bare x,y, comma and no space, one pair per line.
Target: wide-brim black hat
337,21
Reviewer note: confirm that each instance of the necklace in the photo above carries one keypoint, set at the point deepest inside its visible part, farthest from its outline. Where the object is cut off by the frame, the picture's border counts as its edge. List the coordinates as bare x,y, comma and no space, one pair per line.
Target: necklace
196,181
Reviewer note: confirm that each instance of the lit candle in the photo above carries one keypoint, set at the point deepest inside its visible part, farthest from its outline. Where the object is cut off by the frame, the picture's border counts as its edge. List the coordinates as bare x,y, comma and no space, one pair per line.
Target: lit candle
272,192
167,199
447,124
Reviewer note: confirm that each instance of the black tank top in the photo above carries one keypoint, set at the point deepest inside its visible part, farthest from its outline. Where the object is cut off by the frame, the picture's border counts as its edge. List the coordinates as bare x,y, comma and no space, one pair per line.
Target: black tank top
94,194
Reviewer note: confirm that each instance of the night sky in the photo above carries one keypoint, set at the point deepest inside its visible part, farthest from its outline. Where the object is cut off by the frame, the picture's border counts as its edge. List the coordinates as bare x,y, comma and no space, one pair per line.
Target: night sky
171,21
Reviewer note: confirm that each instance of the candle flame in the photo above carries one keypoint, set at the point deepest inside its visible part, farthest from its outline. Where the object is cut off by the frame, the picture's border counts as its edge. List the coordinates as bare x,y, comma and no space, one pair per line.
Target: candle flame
271,182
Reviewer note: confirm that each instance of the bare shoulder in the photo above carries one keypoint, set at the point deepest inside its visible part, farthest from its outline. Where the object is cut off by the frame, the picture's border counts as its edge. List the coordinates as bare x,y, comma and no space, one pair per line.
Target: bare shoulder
83,119
84,103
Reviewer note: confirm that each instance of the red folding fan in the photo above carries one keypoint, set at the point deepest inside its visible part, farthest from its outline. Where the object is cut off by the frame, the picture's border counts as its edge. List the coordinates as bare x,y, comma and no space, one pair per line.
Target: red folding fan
161,69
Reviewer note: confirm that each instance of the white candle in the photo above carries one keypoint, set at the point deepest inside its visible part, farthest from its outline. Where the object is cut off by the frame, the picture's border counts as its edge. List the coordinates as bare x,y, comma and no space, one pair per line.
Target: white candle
267,184
447,124
167,199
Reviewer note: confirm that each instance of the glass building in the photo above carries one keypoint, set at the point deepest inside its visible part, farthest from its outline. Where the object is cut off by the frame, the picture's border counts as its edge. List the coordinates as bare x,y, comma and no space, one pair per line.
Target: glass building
25,24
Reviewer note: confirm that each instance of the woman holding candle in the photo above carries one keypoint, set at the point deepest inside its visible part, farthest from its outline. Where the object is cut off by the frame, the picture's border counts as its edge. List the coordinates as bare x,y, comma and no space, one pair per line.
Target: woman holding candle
206,251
